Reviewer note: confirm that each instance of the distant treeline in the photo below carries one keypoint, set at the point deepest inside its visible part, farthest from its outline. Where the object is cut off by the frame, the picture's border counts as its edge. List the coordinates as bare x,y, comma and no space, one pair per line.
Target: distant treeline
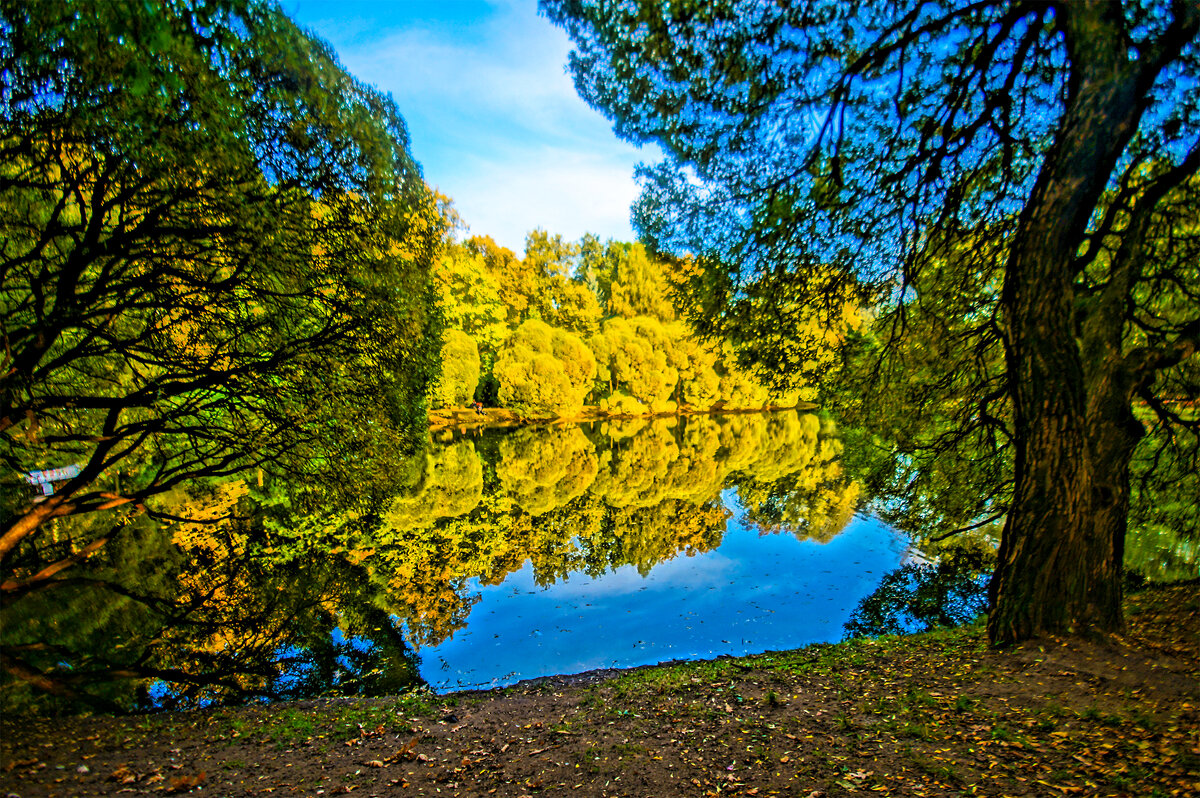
575,325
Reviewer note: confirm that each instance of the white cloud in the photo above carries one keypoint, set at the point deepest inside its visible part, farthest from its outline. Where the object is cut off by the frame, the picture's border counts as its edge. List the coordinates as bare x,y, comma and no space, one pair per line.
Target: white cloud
559,190
494,119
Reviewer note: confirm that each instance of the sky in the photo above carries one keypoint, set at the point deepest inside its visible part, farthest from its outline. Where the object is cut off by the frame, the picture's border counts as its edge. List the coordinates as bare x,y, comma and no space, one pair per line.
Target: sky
493,116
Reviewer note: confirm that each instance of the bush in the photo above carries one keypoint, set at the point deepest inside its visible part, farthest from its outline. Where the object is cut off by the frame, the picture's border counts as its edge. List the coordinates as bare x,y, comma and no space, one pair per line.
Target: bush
460,371
544,371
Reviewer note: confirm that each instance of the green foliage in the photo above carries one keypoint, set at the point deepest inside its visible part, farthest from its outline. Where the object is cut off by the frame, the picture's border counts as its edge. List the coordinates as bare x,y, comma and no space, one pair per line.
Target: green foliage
460,371
1029,276
217,256
955,454
184,614
921,597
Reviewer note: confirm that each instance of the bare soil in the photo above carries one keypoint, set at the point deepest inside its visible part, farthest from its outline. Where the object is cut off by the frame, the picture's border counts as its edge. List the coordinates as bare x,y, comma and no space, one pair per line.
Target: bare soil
939,714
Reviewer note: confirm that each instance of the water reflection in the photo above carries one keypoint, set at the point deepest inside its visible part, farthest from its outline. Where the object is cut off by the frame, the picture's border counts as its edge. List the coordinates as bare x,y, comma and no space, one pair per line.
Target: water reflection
591,499
750,594
268,604
188,614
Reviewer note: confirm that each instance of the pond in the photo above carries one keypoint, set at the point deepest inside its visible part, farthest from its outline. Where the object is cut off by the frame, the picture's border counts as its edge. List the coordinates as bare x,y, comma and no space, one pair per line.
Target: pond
752,593
500,556
637,542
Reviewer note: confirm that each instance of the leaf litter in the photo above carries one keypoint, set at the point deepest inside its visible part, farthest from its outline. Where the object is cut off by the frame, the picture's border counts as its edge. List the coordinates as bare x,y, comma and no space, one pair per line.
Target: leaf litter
927,715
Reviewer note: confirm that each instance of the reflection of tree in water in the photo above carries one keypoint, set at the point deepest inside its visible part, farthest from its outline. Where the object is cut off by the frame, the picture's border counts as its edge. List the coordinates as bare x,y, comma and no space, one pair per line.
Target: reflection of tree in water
796,483
646,536
635,468
1162,554
922,596
449,485
646,491
189,614
543,469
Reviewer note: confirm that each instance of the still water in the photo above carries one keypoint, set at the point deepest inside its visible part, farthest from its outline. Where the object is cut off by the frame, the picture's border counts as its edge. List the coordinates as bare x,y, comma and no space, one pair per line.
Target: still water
498,557
493,557
636,543
753,593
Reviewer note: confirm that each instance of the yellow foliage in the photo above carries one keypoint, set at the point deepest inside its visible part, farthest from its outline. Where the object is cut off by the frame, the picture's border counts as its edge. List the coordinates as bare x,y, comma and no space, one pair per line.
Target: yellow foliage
738,389
451,485
469,296
637,364
621,404
460,371
637,473
544,371
208,514
545,469
516,279
639,286
699,383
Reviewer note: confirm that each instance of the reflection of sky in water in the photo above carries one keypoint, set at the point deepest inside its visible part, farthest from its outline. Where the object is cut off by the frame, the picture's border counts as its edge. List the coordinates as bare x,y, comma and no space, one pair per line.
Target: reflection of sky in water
751,594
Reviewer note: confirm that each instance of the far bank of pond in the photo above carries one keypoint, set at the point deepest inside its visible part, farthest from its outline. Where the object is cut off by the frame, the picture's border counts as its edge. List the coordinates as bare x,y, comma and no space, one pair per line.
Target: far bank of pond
463,418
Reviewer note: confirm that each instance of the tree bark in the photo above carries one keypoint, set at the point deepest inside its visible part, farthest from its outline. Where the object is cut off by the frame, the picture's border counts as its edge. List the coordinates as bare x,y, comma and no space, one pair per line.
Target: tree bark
1059,569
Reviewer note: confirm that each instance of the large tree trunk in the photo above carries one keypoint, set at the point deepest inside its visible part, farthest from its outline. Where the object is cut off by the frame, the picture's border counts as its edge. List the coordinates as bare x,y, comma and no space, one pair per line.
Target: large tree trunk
1052,572
1059,569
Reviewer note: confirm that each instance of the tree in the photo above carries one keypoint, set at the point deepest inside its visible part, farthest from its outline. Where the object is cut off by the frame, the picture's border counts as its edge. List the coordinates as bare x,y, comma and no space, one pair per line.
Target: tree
819,147
543,470
562,300
632,356
922,596
699,384
517,279
455,386
636,284
216,254
469,297
543,370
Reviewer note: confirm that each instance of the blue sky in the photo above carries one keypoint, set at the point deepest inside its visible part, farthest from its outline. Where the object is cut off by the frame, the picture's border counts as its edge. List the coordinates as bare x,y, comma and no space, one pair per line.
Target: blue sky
494,119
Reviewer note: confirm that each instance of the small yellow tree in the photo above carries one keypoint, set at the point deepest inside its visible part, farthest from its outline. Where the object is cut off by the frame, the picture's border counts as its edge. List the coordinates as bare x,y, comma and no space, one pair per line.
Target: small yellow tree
460,371
544,371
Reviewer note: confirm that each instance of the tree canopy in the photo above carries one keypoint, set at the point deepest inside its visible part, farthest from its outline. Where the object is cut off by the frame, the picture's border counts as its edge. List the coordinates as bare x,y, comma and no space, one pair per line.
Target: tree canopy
1011,183
216,255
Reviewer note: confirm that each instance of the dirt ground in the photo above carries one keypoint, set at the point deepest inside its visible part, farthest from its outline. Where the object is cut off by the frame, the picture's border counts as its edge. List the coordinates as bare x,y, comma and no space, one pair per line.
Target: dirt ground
936,714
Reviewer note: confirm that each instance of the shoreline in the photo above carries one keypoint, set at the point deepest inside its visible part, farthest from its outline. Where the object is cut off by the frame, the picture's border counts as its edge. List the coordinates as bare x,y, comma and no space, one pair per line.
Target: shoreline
464,418
935,714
